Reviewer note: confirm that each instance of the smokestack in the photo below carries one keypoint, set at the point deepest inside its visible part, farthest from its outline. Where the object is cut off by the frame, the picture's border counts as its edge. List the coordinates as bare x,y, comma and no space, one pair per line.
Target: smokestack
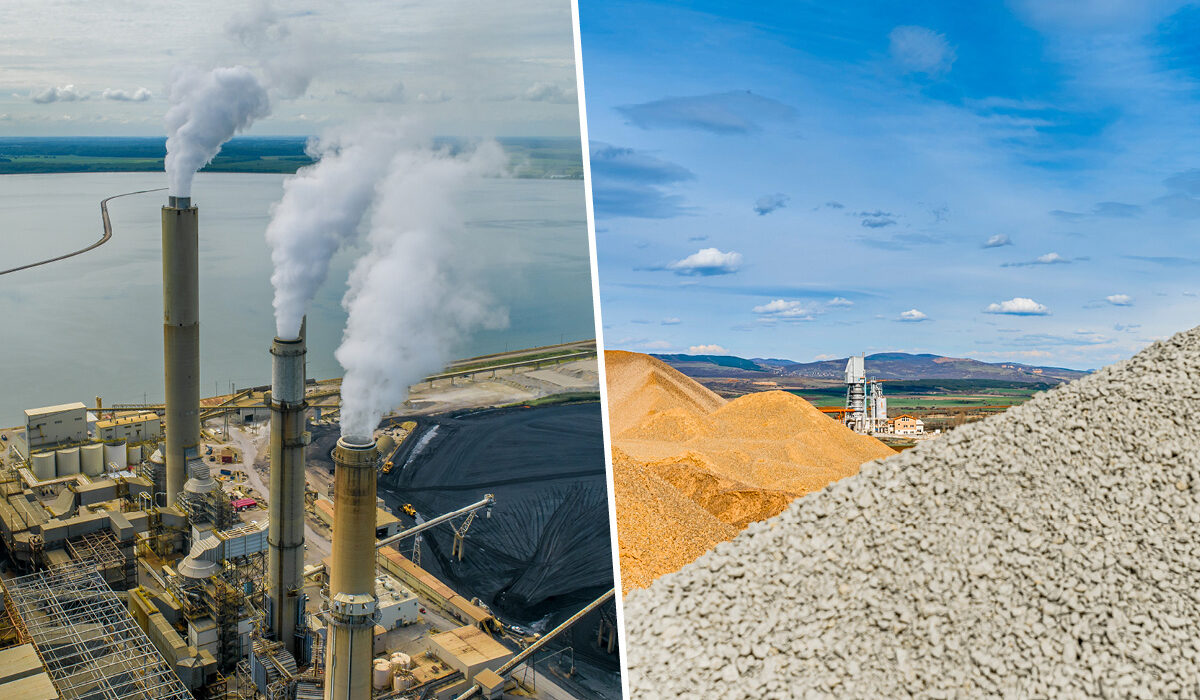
285,538
181,339
352,578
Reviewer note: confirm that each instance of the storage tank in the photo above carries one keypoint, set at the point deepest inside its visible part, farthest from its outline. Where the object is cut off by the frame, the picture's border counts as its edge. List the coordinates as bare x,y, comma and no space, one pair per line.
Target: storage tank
401,682
116,453
66,462
381,677
134,455
400,660
43,466
91,457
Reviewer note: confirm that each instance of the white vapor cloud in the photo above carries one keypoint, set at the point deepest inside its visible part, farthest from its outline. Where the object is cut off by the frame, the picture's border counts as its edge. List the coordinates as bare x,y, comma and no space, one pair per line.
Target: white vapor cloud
997,241
913,316
1120,300
707,350
321,210
208,109
707,262
288,59
1018,306
414,257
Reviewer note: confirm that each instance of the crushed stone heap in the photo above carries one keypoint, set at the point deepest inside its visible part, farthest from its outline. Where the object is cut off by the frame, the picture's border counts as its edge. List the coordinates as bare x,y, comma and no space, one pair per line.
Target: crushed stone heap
692,469
1052,550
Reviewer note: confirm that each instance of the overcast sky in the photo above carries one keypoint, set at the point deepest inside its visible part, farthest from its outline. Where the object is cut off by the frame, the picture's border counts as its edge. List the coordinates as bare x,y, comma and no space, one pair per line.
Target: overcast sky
473,67
999,180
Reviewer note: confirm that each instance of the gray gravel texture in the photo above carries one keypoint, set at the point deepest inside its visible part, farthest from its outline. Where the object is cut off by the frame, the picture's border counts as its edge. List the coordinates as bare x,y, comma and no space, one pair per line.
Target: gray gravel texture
1050,551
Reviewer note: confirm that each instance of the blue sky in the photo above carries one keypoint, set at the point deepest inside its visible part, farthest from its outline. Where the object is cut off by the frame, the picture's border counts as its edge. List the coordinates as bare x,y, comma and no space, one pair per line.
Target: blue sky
1013,181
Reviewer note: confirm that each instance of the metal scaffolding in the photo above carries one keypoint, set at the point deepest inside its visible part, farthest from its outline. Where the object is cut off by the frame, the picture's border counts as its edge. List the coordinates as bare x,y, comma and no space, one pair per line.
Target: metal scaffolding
92,648
118,567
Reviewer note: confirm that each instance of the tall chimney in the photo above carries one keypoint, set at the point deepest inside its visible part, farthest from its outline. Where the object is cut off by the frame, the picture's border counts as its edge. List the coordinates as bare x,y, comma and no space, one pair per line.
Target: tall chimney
181,339
285,538
352,577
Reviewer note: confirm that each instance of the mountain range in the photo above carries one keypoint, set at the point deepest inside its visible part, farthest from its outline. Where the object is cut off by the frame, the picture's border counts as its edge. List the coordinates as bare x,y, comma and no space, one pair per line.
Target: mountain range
885,365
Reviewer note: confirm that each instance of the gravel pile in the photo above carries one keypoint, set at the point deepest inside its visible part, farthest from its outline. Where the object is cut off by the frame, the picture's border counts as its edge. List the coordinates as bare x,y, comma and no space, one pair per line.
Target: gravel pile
1053,550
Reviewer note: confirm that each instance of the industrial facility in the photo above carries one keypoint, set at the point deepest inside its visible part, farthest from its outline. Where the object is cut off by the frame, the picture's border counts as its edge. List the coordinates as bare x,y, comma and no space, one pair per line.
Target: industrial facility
136,569
866,409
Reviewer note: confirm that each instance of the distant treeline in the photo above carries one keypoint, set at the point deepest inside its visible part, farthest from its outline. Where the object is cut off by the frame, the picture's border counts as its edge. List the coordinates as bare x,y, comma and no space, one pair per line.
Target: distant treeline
529,157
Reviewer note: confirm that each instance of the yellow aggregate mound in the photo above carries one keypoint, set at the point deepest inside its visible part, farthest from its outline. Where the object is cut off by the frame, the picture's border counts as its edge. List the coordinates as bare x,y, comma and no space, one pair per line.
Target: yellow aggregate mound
692,469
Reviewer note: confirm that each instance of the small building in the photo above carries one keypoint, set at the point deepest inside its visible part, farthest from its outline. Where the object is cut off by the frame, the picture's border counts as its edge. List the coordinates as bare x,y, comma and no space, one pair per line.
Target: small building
55,425
143,426
907,425
469,650
398,606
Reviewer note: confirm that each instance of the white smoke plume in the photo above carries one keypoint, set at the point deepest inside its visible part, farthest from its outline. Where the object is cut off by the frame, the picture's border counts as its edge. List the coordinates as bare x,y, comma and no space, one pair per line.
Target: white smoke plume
410,303
208,109
321,211
289,58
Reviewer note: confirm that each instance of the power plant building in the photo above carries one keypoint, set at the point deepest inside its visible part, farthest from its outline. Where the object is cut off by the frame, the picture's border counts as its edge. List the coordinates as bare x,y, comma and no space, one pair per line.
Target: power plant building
138,428
52,426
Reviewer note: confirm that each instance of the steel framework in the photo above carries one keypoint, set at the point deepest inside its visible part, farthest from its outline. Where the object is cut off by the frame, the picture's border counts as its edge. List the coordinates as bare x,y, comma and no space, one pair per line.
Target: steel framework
91,647
104,549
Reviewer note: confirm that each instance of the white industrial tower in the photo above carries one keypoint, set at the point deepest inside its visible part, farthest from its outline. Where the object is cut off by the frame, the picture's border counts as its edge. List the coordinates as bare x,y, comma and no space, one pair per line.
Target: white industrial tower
866,407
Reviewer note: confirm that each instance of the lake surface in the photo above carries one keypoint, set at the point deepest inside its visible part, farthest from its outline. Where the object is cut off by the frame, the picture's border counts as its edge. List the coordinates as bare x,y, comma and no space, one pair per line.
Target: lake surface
92,325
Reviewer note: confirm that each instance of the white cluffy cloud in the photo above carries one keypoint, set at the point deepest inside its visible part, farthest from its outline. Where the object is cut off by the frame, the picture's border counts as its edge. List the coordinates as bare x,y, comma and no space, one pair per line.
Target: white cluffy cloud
998,241
707,262
66,93
139,95
782,308
707,350
550,92
1120,300
912,316
921,50
1018,306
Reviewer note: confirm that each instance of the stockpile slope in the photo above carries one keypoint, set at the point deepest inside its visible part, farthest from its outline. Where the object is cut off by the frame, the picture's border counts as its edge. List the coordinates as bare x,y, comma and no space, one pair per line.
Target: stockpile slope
681,450
1049,551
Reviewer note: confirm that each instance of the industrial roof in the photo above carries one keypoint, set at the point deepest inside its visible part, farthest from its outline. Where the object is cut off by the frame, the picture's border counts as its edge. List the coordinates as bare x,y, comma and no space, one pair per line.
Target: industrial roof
48,410
126,420
18,662
35,687
471,645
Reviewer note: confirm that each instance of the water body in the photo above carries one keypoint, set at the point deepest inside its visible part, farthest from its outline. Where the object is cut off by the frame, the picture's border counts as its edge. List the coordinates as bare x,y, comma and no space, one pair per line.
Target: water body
92,325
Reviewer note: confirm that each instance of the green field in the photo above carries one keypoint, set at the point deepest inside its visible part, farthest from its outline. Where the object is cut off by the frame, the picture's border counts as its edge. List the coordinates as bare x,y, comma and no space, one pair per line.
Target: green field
932,395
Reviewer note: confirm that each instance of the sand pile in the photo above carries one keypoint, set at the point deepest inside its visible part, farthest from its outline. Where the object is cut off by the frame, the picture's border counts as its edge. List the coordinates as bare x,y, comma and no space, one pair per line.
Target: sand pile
738,461
1050,551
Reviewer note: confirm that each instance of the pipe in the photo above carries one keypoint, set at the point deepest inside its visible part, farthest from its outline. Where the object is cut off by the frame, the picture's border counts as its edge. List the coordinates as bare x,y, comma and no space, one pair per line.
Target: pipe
352,599
487,502
532,648
285,536
181,339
